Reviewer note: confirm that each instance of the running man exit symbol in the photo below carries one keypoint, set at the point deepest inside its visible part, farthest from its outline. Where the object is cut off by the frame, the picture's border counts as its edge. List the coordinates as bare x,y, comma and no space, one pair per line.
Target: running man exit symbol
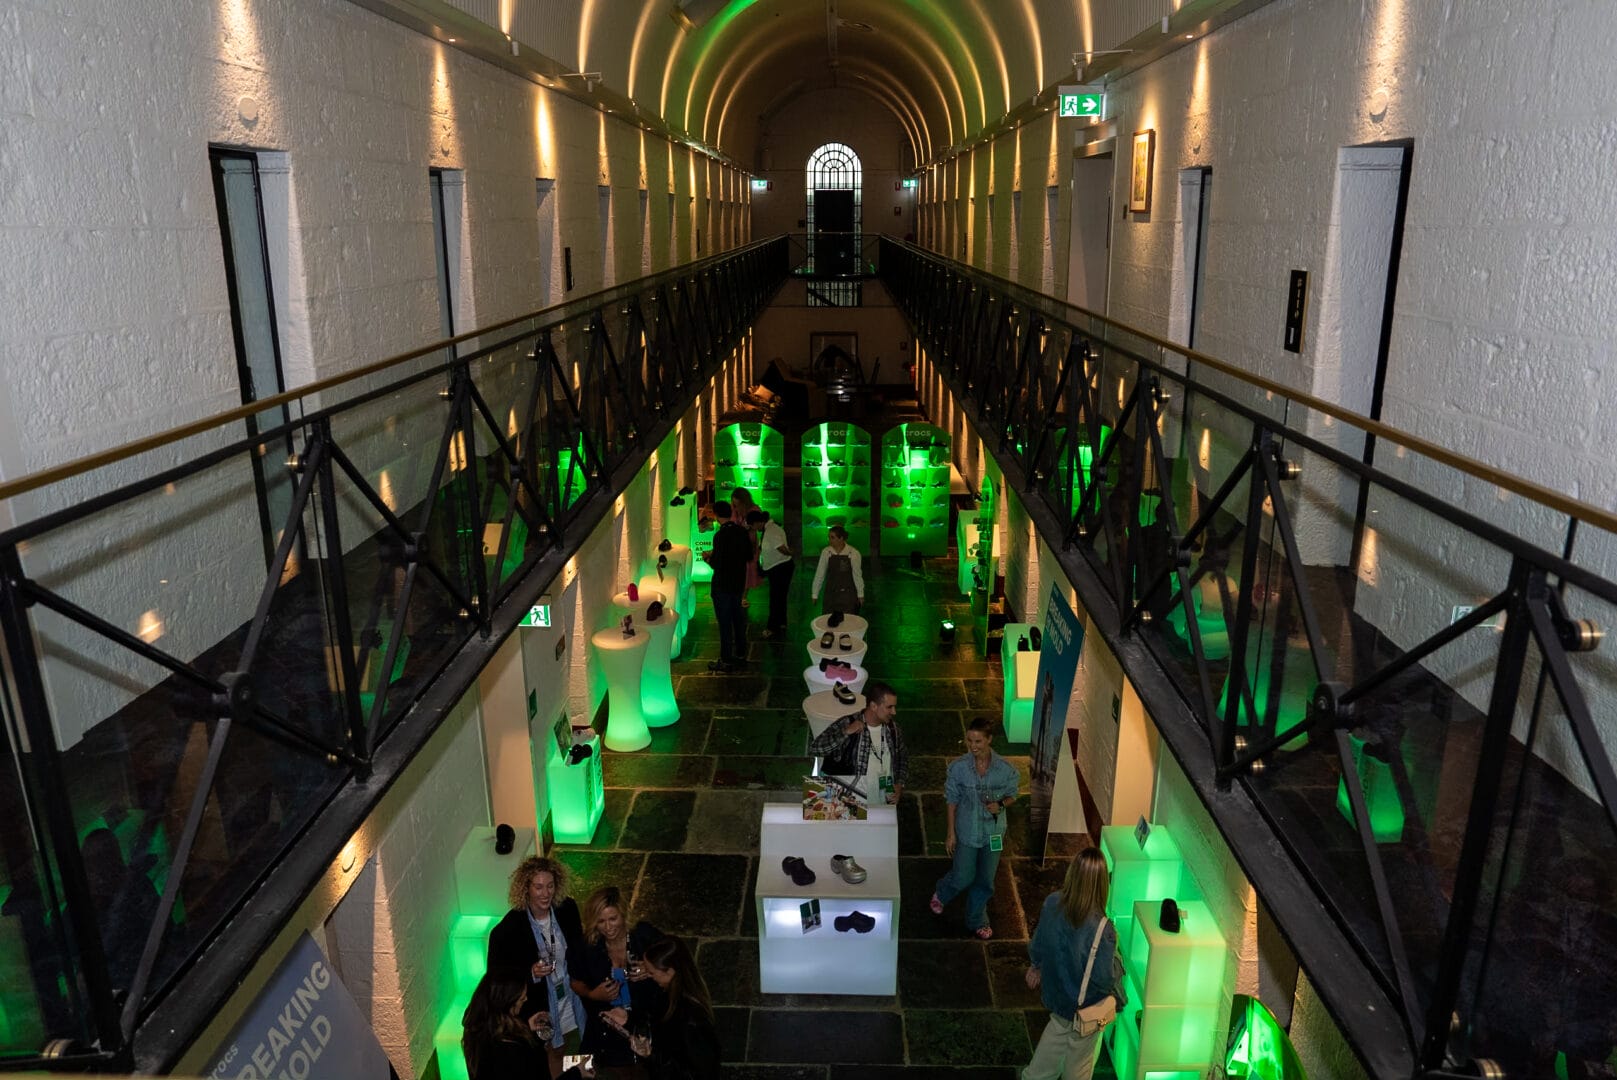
1080,101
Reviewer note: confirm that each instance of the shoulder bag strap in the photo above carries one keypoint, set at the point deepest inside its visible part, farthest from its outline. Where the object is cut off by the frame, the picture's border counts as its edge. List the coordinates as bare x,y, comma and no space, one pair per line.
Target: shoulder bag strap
1094,947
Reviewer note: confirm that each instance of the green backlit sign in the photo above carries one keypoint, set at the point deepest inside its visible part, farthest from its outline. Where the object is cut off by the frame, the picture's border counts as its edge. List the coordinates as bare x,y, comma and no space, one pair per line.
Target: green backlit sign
1080,101
538,615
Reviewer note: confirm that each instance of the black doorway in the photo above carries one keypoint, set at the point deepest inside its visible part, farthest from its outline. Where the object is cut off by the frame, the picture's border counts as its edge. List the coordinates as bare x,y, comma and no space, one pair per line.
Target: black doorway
836,244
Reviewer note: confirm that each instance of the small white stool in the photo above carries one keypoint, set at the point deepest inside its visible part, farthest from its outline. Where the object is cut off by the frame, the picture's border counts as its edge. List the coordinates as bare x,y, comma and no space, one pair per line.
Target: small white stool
853,625
823,709
622,661
854,656
817,681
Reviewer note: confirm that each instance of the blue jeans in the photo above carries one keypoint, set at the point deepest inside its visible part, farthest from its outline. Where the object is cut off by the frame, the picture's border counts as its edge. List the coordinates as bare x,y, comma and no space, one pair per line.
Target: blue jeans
973,874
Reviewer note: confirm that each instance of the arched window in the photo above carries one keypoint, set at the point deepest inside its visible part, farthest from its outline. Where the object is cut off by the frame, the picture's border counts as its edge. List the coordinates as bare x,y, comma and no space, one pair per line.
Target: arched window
834,196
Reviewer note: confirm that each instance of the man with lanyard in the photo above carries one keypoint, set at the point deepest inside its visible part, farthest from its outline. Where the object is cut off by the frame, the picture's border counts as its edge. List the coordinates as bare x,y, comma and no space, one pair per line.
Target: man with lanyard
869,745
978,787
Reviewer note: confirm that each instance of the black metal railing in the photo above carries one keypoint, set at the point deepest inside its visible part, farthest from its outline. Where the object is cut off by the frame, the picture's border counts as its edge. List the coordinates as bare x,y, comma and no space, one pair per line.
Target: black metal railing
178,713
1388,652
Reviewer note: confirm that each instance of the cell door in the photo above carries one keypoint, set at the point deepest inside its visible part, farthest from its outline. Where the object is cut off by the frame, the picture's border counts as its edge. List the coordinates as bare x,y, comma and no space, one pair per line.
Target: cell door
835,242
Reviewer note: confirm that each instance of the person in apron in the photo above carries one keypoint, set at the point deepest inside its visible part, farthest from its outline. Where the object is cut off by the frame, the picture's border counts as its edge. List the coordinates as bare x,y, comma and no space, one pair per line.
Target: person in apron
840,576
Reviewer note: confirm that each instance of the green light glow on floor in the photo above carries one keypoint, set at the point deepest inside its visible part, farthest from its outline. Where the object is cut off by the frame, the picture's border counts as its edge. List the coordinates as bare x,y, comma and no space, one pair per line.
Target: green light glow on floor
915,490
836,481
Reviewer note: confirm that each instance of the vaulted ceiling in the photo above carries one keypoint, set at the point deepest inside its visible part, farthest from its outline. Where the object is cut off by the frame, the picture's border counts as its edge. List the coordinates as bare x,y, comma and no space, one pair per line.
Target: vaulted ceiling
712,72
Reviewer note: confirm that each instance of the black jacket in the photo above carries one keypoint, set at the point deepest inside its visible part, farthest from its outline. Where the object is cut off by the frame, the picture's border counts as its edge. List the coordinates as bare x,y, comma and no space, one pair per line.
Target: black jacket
684,1046
646,1000
511,948
729,556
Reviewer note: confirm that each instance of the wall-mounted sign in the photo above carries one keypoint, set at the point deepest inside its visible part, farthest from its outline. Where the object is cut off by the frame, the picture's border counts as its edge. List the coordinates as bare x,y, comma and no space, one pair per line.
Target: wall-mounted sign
760,184
912,181
1296,311
538,615
1142,832
1080,101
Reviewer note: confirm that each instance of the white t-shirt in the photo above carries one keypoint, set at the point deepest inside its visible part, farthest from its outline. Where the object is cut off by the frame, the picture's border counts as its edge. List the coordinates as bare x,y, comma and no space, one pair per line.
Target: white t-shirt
879,765
769,546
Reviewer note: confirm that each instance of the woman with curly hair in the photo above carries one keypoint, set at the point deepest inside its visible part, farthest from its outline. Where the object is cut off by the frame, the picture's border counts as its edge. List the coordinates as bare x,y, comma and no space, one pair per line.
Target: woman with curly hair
534,943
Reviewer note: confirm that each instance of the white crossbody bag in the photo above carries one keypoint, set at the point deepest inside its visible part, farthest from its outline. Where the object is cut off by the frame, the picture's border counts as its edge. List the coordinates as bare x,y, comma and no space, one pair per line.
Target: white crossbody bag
1093,1019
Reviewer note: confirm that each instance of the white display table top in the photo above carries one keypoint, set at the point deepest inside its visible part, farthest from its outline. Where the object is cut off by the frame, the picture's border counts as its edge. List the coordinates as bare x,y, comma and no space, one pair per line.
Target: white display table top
612,640
854,656
873,843
851,624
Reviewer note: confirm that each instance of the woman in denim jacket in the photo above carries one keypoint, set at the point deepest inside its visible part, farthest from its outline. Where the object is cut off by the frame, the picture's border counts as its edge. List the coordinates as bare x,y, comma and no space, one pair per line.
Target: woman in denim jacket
1058,952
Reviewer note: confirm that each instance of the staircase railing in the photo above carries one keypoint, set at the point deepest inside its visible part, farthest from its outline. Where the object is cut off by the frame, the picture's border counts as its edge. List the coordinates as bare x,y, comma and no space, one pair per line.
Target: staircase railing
1378,661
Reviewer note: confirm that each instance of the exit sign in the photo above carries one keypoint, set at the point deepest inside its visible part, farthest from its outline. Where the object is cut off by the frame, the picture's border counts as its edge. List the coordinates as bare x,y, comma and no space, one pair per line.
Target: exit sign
1080,101
538,615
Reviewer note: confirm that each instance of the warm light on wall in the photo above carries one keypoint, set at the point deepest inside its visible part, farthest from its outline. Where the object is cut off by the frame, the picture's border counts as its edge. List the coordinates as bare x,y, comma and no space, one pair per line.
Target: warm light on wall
1369,568
1204,454
384,489
151,627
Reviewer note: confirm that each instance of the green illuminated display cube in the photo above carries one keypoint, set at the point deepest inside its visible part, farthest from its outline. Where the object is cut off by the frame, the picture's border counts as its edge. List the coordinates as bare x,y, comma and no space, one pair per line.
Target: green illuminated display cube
1021,675
914,508
577,795
1380,794
1184,968
1151,873
837,461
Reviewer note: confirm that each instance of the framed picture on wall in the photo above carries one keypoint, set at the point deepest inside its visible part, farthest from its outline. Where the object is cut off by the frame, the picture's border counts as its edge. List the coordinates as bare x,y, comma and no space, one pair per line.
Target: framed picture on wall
1145,143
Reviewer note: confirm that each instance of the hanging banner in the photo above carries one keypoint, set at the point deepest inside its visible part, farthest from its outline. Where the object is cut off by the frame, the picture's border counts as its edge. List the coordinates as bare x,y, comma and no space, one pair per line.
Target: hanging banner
305,1025
1058,667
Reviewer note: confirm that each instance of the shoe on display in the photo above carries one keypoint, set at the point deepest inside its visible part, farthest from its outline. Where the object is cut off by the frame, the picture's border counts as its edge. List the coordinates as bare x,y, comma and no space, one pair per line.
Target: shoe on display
847,869
1168,919
654,611
666,545
628,626
827,639
845,643
835,619
796,869
855,920
840,671
846,697
687,491
825,662
858,500
677,500
634,593
1034,637
579,752
1021,644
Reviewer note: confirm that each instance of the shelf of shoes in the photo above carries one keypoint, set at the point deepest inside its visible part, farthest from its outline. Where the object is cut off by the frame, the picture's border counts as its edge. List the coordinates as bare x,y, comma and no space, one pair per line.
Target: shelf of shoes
914,508
751,456
825,960
837,461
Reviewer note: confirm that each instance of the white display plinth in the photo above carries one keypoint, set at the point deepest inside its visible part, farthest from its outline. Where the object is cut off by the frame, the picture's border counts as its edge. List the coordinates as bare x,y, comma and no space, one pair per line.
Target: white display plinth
851,624
825,960
823,709
482,878
622,661
854,656
679,561
818,681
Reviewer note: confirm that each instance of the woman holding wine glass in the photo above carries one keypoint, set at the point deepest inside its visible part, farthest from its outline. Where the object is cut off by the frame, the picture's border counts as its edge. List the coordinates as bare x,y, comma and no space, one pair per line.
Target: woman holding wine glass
612,981
682,1043
535,942
496,1039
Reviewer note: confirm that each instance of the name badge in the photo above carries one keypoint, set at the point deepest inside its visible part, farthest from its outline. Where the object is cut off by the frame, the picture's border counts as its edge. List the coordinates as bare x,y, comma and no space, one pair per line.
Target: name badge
885,783
996,842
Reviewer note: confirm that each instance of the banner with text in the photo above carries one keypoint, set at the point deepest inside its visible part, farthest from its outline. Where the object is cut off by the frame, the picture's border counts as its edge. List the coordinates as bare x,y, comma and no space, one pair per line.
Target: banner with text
305,1025
1058,667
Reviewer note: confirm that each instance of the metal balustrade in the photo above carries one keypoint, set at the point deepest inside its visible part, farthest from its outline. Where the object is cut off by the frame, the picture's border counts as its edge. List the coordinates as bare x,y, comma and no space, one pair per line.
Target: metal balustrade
1379,662
193,734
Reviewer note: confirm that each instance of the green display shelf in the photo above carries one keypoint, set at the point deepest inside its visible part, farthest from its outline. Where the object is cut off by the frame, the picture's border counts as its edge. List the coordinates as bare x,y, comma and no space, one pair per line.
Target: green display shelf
577,794
751,456
837,462
1380,794
1150,873
1021,677
914,510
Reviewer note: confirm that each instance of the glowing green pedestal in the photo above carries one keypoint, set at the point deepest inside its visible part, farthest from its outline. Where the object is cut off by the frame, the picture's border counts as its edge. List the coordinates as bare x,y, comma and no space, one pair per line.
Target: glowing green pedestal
1181,979
1380,795
1021,678
1151,873
577,795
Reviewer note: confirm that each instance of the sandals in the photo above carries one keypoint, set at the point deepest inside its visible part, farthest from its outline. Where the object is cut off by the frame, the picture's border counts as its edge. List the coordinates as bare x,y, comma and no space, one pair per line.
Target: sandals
828,639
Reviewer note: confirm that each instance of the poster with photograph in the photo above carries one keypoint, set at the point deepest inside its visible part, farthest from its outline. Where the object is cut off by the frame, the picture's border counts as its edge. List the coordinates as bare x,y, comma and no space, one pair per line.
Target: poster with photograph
1058,667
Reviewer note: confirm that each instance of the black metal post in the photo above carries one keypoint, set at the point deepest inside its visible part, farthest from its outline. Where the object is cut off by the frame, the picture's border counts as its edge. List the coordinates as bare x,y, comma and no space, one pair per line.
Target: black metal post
342,627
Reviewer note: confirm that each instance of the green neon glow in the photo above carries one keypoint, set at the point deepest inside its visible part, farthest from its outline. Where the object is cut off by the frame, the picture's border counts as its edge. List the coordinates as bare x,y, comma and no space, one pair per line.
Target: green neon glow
837,460
1290,707
577,796
1259,1048
751,456
1380,795
914,503
571,474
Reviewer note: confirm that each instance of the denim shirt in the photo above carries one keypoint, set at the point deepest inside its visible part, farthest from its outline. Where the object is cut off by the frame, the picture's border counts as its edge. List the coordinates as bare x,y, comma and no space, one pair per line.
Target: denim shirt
1059,950
966,792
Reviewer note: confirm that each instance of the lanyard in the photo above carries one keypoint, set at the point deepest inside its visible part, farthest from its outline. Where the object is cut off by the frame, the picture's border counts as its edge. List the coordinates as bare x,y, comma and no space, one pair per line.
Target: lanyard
880,755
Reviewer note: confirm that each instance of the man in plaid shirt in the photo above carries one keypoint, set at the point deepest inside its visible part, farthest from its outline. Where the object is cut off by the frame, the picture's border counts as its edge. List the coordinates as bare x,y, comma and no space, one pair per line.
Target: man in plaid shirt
880,762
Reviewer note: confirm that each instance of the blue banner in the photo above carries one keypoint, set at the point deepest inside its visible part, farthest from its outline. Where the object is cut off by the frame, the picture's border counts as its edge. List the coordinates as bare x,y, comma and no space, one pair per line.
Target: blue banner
1062,640
305,1025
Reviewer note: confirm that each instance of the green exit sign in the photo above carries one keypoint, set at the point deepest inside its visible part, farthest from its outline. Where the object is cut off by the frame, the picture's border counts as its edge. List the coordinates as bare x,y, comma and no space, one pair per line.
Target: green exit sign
1081,101
538,615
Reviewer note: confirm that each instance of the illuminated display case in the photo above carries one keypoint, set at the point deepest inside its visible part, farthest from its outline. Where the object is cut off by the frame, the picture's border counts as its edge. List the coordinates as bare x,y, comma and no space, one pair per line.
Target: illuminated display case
824,960
915,490
577,793
1021,679
751,456
837,461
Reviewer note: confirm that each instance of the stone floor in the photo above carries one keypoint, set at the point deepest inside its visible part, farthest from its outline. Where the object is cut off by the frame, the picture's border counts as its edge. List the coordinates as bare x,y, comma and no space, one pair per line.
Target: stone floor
680,833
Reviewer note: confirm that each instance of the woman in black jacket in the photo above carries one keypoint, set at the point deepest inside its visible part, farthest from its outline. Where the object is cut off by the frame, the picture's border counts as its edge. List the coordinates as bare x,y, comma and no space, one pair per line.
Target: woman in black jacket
541,941
498,1043
617,986
683,1044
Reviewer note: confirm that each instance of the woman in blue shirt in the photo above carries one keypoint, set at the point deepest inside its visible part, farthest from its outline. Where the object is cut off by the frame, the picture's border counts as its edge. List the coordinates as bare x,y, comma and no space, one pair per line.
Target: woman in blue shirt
1058,953
979,786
